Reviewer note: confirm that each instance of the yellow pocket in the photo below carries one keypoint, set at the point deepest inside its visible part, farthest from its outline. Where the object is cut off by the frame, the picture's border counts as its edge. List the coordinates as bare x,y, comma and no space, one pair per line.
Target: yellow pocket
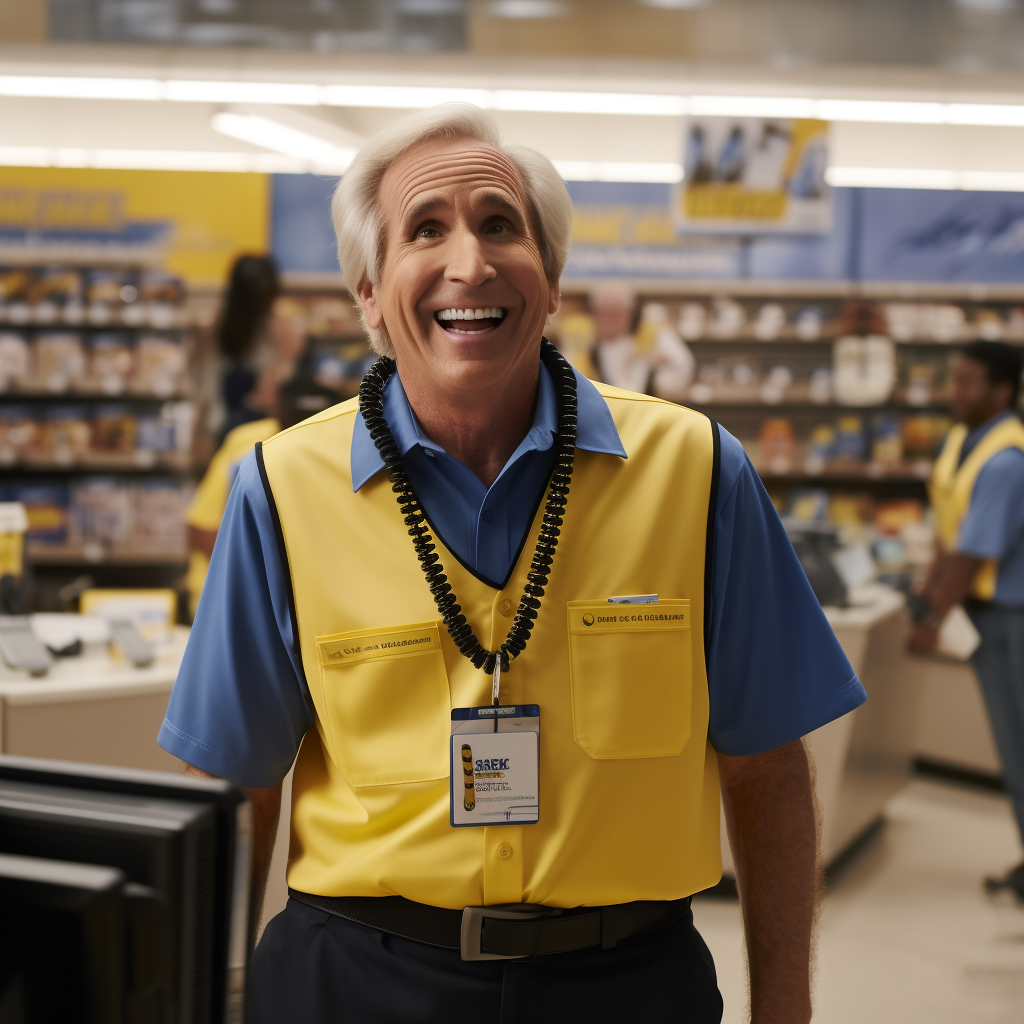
631,677
388,703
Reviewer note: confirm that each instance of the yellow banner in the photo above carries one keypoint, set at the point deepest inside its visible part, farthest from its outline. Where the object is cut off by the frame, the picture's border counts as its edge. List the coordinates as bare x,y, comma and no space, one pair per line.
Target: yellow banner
193,223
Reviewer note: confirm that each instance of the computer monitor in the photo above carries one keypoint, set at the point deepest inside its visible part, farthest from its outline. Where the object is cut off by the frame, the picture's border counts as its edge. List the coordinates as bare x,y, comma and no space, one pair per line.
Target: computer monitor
125,892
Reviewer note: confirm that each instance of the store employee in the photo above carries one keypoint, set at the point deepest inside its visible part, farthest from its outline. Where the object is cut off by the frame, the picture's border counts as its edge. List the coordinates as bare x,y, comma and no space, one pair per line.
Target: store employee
977,491
360,615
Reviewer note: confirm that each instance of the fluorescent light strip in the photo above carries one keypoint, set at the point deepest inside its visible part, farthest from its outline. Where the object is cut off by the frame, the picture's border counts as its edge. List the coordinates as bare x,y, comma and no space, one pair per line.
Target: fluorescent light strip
911,177
535,101
262,131
81,88
522,100
289,93
401,97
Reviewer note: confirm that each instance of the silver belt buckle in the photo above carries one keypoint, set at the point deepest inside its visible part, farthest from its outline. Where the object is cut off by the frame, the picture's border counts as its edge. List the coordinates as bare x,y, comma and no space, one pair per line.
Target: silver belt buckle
473,926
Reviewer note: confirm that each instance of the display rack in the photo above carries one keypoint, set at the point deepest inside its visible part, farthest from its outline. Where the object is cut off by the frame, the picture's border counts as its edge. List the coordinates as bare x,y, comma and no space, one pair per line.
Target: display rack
96,419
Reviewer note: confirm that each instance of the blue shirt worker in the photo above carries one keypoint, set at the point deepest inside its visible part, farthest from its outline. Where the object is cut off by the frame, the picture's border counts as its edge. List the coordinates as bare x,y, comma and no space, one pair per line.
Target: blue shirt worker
517,632
977,492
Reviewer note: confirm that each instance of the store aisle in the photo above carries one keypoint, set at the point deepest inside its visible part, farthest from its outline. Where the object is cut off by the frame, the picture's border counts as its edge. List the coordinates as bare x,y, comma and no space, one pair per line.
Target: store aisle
906,932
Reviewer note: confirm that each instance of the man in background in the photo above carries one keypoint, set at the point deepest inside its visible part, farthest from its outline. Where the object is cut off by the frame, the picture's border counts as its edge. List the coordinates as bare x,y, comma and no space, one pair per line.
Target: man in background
977,491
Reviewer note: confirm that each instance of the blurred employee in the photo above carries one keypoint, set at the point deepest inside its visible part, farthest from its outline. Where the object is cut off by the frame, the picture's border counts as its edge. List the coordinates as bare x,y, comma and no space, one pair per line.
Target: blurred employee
261,336
977,491
562,529
298,398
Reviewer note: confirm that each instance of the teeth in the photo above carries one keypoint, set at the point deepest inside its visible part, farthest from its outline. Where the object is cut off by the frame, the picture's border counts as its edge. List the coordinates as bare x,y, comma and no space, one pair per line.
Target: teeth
486,313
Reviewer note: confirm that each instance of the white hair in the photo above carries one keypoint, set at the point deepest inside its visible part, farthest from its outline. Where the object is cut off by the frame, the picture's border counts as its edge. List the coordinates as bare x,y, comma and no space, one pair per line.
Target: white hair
359,220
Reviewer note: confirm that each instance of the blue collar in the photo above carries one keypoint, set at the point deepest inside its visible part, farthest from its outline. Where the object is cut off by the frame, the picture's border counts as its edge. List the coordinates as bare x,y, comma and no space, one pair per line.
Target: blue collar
595,428
975,435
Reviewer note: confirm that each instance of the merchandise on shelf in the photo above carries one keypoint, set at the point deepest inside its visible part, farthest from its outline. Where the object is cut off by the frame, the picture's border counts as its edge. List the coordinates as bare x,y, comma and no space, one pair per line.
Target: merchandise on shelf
110,363
15,360
46,505
66,435
777,445
864,369
58,361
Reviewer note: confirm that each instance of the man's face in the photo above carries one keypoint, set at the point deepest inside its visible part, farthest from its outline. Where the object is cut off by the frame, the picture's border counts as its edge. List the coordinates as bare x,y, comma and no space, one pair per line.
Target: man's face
975,398
462,292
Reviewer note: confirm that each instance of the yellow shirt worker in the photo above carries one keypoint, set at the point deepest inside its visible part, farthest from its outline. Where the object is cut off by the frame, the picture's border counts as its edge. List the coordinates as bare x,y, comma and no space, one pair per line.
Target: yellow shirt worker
515,631
206,509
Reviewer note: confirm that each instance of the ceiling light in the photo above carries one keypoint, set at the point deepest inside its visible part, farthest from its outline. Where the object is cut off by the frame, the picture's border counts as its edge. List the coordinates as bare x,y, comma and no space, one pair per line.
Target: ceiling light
522,9
65,87
588,102
881,111
892,177
596,170
401,96
289,93
752,106
261,131
999,114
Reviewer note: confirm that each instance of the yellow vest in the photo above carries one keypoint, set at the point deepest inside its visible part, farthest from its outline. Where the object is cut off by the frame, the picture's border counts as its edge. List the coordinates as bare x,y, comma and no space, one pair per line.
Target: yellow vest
206,509
952,487
629,802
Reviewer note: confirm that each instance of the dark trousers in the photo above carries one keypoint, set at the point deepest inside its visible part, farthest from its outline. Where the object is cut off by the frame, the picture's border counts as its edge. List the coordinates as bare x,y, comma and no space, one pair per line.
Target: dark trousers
313,967
999,664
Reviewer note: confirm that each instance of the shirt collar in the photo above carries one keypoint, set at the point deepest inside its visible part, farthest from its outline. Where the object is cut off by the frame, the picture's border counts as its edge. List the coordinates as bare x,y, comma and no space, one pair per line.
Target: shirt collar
595,428
983,428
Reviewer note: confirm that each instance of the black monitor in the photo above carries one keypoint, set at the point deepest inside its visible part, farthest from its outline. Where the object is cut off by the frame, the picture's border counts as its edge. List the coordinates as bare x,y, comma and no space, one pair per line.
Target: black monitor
123,894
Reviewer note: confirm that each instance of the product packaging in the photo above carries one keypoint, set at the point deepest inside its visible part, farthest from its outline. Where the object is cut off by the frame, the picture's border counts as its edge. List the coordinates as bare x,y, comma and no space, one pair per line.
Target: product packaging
159,365
46,505
114,432
59,361
101,513
15,360
20,434
111,362
67,435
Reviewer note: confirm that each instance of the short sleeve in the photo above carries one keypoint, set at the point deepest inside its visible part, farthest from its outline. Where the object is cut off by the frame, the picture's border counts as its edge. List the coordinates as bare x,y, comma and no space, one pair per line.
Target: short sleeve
775,668
996,515
239,707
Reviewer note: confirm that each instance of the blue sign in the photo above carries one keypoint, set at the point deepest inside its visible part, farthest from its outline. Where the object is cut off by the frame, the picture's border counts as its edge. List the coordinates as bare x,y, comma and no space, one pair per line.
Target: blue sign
925,235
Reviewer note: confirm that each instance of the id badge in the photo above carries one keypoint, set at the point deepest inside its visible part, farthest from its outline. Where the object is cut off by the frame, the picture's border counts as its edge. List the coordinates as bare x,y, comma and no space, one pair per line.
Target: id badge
495,766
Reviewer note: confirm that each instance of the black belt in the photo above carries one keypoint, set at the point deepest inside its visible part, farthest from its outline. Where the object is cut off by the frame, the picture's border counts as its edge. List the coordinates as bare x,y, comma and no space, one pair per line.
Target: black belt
505,932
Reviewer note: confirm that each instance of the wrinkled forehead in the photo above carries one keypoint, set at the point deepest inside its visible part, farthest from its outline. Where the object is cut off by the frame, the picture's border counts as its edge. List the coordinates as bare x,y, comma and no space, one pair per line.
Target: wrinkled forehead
449,171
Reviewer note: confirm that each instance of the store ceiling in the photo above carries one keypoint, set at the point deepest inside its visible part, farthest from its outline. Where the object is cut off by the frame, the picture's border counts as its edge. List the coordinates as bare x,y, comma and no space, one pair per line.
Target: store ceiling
966,35
184,94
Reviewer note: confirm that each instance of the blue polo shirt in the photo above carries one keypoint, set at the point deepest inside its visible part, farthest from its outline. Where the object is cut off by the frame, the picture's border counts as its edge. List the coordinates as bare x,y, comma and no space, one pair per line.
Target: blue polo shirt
240,707
994,524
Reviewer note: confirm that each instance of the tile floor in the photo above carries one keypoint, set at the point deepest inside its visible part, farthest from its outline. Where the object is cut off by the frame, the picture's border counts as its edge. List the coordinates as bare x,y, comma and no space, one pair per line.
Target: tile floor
907,935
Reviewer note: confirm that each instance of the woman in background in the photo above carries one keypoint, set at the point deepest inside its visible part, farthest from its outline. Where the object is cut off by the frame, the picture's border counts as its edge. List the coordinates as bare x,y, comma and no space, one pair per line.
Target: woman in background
260,336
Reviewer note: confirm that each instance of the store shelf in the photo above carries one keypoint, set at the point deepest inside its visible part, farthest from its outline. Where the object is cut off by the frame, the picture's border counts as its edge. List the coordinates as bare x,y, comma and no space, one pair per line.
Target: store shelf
66,397
118,464
826,341
831,408
72,555
846,476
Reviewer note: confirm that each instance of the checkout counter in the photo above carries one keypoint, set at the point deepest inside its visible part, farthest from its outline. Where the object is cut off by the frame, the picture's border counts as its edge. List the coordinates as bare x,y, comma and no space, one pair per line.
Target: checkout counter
100,709
864,758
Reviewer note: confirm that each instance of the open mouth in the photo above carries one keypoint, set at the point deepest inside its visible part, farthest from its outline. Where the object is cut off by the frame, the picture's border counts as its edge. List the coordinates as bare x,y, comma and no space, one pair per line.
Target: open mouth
471,321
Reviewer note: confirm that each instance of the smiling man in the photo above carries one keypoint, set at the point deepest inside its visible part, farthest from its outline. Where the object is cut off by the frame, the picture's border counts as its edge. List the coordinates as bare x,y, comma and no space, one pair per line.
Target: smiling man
516,628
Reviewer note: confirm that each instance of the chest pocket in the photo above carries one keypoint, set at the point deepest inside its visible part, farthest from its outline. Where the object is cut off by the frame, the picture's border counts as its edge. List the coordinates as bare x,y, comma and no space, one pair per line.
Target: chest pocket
388,704
632,676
